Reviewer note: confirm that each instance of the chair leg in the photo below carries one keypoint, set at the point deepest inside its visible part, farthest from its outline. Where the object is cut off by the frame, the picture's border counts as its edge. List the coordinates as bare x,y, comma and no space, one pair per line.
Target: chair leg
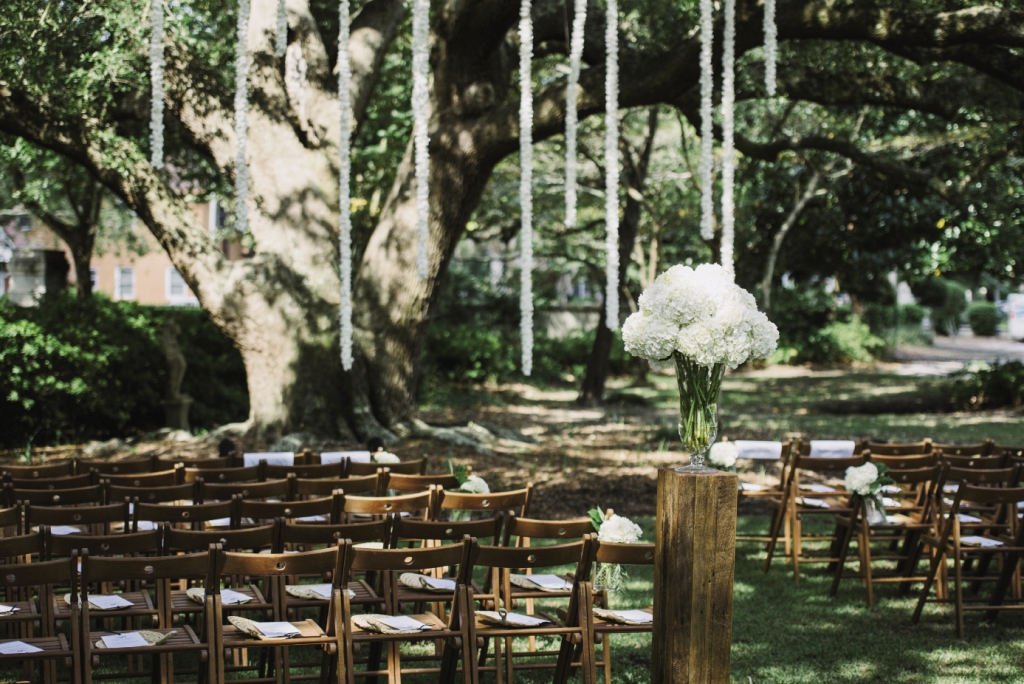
773,535
844,550
869,581
606,655
958,590
933,570
797,547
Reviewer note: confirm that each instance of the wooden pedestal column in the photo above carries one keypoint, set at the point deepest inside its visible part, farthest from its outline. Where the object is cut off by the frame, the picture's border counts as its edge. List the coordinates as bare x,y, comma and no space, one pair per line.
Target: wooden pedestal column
695,556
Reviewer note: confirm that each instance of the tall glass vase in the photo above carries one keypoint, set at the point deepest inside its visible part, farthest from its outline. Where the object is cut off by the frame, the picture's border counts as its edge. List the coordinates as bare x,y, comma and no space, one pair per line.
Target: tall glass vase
699,388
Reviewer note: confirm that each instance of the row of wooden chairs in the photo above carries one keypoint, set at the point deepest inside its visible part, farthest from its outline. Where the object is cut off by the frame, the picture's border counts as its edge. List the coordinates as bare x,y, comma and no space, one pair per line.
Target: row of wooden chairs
260,565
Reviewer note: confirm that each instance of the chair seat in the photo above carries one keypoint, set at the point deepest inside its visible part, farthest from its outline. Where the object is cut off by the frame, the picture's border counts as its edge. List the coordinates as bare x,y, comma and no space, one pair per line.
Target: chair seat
607,626
364,595
142,604
52,646
181,603
310,633
185,639
26,611
438,629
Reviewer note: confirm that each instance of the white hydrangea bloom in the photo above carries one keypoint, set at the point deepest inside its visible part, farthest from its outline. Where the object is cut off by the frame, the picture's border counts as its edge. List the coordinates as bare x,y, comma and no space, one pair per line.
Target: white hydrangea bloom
385,457
860,478
619,530
702,314
723,454
475,484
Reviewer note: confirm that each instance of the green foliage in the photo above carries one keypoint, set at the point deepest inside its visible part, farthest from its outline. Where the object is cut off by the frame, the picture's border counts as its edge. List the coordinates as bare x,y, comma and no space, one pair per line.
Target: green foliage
596,518
983,318
947,300
845,342
989,387
813,330
76,369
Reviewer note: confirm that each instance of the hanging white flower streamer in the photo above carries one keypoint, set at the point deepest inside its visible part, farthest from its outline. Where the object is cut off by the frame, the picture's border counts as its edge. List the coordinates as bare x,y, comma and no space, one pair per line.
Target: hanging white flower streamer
611,166
344,192
281,44
707,141
295,68
728,125
771,46
526,184
421,121
241,118
571,117
156,77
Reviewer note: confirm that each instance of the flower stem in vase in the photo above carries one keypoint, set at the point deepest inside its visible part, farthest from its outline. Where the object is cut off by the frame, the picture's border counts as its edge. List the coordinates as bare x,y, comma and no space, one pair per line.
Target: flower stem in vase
699,389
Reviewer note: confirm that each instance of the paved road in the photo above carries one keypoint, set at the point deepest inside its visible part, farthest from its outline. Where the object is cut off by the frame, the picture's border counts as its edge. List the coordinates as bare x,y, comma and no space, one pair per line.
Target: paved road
963,349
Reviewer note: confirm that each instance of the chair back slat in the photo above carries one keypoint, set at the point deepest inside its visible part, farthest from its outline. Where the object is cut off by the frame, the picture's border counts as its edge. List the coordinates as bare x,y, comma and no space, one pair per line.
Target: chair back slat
563,530
431,530
407,560
910,461
129,467
268,510
531,557
280,564
61,497
625,554
100,568
23,545
320,535
303,487
60,572
151,495
192,513
516,501
990,496
26,472
968,461
990,477
249,539
225,475
387,505
307,471
415,467
272,489
417,483
163,478
982,449
127,544
69,482
81,515
907,449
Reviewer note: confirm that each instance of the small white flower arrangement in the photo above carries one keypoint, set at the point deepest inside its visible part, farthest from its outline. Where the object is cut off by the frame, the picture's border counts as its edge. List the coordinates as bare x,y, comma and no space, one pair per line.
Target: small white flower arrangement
723,455
474,484
614,529
385,457
867,481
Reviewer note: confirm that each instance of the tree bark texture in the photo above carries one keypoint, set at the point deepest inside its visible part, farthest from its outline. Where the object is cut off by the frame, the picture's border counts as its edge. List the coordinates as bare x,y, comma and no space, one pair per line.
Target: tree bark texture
280,307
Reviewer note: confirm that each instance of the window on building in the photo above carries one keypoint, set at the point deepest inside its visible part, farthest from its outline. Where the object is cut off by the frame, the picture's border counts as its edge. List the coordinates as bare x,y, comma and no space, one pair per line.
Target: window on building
175,284
94,277
124,282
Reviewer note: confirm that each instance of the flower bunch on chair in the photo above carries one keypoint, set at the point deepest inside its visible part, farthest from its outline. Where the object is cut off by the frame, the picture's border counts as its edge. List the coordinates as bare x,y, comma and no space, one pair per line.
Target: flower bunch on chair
867,481
613,529
468,484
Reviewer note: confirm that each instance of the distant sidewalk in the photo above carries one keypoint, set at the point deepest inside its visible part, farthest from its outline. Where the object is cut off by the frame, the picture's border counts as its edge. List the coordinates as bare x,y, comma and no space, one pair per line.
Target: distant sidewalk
963,348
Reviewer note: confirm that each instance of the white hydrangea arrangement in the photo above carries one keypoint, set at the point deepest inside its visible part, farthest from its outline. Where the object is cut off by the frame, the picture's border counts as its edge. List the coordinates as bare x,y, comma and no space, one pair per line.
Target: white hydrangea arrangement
612,529
703,315
867,481
474,484
703,322
723,454
384,457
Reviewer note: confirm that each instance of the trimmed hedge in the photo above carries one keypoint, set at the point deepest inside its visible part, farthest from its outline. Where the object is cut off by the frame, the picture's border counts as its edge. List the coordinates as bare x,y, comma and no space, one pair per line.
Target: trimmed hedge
983,318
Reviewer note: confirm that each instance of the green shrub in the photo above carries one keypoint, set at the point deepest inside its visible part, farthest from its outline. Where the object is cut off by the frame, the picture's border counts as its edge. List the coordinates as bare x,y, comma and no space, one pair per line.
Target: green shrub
989,387
983,318
844,342
947,301
72,370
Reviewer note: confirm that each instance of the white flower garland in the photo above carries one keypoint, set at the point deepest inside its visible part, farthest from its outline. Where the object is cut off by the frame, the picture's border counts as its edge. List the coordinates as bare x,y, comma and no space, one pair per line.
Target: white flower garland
707,142
611,165
571,116
156,76
526,184
281,44
295,68
241,118
771,46
728,127
421,122
344,191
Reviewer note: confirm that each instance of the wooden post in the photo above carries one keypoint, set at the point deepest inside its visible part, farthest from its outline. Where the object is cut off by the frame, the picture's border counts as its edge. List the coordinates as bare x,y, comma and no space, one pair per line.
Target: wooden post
694,560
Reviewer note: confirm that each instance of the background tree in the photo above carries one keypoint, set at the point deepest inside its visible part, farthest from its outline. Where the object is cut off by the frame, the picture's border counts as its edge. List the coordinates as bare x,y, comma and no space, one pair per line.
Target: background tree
76,85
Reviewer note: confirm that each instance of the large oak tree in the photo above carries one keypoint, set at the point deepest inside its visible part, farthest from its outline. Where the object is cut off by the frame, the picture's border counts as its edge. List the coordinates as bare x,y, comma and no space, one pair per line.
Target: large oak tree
73,80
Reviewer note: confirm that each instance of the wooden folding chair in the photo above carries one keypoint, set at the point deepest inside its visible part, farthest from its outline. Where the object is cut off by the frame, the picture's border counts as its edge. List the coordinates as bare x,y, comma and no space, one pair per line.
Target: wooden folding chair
900,449
456,634
250,540
758,492
34,623
311,471
152,495
516,502
256,473
969,461
908,524
10,521
275,570
93,520
196,463
68,482
609,623
80,496
414,505
325,510
163,478
25,472
316,489
1012,453
575,628
300,537
810,499
135,466
193,516
1006,547
398,482
414,467
159,572
271,489
983,449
